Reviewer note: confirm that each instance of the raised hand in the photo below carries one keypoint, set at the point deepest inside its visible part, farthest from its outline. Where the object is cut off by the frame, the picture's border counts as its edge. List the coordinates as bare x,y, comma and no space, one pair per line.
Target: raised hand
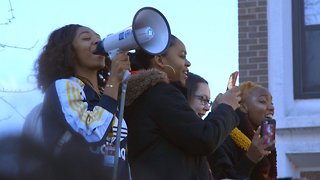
231,97
257,149
119,64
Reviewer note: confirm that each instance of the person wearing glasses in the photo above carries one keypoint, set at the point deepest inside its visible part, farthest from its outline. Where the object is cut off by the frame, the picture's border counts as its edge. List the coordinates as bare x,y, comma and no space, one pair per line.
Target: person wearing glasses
198,94
166,139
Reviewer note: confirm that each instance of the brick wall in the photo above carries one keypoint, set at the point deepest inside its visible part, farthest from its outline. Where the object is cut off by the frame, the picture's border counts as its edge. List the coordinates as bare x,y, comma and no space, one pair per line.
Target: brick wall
253,41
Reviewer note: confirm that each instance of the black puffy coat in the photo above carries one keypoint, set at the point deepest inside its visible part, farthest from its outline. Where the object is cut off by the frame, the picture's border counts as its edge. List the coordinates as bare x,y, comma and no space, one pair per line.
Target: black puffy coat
166,139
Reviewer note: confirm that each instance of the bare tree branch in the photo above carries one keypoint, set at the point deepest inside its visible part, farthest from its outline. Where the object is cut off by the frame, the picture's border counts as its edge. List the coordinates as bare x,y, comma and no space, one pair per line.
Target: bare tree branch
6,118
12,16
17,91
13,107
8,22
18,47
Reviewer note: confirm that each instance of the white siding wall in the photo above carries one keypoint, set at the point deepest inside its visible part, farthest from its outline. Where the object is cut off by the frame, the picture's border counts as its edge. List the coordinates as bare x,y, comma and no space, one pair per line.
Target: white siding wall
298,121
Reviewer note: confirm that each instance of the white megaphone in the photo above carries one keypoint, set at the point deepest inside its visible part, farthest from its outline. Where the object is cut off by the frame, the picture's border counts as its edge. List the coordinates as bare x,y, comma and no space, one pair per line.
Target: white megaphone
150,31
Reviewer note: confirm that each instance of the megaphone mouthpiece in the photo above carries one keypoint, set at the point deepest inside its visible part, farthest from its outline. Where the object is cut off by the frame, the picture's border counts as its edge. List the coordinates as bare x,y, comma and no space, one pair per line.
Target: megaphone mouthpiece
100,50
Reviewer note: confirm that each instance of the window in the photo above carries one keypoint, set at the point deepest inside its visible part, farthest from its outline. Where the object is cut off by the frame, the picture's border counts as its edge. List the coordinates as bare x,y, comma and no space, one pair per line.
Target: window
306,48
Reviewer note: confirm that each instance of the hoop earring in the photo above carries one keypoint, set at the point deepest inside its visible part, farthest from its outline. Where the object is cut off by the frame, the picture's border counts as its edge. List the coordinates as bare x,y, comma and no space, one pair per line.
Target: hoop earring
171,69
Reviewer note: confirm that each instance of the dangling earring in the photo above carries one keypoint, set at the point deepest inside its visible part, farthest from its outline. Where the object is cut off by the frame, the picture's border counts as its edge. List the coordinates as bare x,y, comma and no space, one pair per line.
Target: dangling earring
171,70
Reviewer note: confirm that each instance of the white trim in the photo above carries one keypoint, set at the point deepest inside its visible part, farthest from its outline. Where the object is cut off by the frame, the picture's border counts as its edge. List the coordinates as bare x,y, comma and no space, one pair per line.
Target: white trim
296,119
289,112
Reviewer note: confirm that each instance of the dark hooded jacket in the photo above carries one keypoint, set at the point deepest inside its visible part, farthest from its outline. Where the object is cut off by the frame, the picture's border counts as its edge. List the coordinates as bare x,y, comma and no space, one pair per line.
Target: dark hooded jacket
230,161
167,140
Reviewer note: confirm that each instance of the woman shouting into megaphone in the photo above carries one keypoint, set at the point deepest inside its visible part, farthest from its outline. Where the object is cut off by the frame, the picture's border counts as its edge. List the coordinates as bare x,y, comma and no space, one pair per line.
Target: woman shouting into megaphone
80,104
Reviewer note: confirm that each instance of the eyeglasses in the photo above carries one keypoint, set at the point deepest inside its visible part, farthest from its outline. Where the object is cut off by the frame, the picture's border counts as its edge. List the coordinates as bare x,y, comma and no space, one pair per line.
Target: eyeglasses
204,100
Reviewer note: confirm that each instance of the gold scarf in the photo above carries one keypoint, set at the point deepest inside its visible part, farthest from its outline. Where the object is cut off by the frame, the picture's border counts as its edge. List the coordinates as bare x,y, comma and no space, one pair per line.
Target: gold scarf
240,139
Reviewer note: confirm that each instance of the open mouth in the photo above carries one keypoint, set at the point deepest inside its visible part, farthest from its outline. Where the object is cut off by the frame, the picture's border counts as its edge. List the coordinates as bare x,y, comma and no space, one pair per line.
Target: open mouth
186,73
269,116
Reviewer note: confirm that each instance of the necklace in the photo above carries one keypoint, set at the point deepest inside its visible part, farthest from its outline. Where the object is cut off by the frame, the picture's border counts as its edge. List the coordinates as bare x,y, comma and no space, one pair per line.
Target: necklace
88,82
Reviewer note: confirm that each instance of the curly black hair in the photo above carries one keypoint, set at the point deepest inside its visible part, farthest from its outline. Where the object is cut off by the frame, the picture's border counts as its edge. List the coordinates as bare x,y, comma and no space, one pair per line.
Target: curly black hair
58,57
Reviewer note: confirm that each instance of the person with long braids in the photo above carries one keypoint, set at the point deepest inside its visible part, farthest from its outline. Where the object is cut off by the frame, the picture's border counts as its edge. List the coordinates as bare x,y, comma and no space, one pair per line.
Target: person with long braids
80,104
244,153
166,138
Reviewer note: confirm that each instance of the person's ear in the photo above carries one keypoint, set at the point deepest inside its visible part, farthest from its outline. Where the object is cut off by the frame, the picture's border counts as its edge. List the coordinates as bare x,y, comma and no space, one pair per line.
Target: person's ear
158,61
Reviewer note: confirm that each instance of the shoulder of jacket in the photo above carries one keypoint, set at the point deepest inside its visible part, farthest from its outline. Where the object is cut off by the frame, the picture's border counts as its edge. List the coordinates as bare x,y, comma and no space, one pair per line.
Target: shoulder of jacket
143,81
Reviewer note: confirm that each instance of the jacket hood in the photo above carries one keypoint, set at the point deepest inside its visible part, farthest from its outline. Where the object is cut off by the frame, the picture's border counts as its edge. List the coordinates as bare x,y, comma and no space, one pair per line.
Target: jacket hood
142,81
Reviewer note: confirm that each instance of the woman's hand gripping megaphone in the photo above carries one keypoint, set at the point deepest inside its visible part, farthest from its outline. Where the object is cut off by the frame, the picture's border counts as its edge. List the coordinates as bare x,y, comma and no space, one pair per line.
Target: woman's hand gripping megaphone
120,67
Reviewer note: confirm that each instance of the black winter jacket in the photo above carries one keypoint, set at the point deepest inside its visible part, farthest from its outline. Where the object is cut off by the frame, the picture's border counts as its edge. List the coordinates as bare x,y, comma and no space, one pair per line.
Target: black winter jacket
166,139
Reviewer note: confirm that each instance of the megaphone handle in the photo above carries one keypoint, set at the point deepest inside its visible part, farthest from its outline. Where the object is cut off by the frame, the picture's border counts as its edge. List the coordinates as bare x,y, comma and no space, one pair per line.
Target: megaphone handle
126,76
113,53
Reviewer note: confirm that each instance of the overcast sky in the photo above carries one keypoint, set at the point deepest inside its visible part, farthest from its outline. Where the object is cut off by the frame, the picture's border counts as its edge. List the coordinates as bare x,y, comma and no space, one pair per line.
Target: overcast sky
209,29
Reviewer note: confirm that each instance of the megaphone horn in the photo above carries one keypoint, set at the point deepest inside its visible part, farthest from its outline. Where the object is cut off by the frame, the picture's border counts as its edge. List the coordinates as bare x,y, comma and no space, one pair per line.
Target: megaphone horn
151,17
149,31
